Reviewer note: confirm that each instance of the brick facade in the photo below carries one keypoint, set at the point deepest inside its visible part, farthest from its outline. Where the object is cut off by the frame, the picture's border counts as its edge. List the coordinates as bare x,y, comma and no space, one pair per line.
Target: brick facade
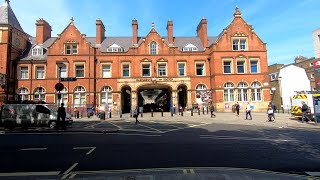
207,54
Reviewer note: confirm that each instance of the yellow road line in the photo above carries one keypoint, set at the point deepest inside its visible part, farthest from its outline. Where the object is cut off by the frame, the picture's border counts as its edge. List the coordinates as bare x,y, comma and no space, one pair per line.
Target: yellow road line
70,169
49,173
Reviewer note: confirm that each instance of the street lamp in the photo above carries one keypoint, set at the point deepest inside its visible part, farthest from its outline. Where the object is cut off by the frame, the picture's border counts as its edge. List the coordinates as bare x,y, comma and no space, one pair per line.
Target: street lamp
280,88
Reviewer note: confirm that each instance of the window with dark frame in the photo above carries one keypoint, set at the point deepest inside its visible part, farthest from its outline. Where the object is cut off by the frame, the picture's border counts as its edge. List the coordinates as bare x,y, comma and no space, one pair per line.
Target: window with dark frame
227,67
200,69
79,70
125,70
146,70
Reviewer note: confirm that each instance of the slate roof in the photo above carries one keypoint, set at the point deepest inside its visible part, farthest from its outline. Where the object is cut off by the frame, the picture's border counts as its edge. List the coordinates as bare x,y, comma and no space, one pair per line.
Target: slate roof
7,16
27,55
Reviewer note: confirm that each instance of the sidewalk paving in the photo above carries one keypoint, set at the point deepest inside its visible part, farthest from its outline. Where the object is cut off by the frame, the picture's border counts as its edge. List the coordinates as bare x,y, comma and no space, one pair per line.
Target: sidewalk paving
283,120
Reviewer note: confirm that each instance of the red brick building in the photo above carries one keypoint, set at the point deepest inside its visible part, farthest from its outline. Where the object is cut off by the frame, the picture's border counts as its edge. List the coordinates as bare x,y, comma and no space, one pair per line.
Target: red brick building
152,71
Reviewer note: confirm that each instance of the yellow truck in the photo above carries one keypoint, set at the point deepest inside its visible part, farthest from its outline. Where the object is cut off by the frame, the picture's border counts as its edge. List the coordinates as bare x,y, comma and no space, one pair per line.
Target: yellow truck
296,103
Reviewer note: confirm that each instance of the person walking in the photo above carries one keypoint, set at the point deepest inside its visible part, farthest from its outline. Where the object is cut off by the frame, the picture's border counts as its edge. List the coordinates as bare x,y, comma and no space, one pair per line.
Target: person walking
248,111
136,114
270,113
212,110
237,107
62,116
304,110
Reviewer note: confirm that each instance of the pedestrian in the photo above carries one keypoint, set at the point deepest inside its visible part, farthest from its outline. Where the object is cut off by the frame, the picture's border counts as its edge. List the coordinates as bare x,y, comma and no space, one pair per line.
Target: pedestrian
237,107
174,109
274,108
304,110
248,111
212,110
76,112
180,109
270,113
136,114
62,115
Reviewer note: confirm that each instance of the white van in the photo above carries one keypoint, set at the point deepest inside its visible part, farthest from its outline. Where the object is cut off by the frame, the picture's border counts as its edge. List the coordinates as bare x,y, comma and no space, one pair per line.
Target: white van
29,114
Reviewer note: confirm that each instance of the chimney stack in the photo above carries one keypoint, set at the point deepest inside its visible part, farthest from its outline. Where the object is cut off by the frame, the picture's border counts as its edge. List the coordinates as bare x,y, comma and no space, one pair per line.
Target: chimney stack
100,30
170,31
134,31
43,31
202,32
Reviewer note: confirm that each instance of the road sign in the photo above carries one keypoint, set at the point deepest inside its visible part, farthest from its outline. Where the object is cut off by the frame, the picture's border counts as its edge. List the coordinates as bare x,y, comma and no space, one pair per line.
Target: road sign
59,86
68,79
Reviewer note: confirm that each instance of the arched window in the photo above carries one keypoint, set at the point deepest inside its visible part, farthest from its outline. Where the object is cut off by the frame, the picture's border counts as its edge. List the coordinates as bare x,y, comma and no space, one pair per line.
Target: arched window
201,93
64,97
40,94
106,95
242,91
79,96
23,94
229,92
256,91
153,48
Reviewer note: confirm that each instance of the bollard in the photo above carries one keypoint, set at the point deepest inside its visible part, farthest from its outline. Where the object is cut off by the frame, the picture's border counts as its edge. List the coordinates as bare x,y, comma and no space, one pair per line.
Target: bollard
110,115
171,113
120,115
161,112
207,110
192,112
198,111
142,114
203,110
131,113
151,112
182,112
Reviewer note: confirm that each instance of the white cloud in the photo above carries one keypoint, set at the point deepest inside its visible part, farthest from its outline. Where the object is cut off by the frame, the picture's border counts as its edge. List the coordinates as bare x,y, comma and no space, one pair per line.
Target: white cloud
56,13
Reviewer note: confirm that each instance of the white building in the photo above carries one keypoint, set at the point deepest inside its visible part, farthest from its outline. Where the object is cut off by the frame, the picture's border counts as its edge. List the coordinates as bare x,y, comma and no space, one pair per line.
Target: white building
316,42
292,78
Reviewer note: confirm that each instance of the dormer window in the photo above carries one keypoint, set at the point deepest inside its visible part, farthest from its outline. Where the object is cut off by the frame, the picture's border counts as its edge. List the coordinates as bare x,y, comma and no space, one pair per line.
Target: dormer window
115,48
190,47
37,51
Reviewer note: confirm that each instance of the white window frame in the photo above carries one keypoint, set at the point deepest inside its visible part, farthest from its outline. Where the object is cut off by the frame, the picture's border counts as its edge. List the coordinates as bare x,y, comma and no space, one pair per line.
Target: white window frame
38,93
258,65
64,71
37,51
153,50
239,44
184,69
103,70
165,69
229,92
72,48
242,92
23,93
256,92
75,70
64,97
231,65
204,68
106,96
81,92
24,74
150,69
44,72
244,66
122,69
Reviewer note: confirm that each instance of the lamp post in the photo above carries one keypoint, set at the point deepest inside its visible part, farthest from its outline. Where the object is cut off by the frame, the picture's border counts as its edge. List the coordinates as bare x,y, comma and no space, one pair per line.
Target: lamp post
280,90
60,65
209,60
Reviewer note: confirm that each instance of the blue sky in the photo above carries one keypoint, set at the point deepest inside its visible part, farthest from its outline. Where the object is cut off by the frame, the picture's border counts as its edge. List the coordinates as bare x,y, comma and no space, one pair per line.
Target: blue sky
285,25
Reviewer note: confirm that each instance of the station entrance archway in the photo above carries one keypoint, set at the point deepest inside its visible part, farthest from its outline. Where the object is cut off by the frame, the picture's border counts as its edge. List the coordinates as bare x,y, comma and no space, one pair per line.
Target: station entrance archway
182,95
126,100
155,97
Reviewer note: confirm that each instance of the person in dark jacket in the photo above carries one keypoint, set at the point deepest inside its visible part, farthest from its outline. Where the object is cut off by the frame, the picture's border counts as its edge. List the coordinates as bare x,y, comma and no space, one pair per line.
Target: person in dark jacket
136,114
61,115
237,108
212,110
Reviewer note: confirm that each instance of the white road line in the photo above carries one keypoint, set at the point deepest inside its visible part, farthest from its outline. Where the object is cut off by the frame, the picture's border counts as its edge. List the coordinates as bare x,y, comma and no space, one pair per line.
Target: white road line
139,130
246,138
164,123
92,125
89,152
72,176
33,149
192,171
70,169
49,173
115,125
150,128
135,134
313,173
189,126
65,176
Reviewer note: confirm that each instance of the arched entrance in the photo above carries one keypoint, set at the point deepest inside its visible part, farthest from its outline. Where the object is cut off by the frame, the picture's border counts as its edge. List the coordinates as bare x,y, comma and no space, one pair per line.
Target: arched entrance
182,95
155,97
126,99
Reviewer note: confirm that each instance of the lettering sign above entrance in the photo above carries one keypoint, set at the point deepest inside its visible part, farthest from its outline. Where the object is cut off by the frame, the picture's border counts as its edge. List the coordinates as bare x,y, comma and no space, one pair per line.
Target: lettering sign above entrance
153,79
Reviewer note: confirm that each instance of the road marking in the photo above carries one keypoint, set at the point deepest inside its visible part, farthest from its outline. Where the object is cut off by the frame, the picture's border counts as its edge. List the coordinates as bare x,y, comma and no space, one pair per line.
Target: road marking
139,130
188,126
89,152
127,134
49,173
65,176
313,173
70,169
33,149
165,123
2,132
115,125
191,171
72,176
92,125
150,128
245,138
185,171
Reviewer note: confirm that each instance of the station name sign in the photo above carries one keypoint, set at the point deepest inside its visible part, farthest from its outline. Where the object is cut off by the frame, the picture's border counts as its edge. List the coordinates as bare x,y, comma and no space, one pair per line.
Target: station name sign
153,79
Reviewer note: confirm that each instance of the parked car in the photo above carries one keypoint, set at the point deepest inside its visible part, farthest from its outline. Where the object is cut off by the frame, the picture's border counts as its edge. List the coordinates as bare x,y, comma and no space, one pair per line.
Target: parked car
29,114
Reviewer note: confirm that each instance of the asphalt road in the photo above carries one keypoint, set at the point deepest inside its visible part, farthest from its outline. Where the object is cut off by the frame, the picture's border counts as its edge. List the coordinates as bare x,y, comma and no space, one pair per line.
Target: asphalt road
158,145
